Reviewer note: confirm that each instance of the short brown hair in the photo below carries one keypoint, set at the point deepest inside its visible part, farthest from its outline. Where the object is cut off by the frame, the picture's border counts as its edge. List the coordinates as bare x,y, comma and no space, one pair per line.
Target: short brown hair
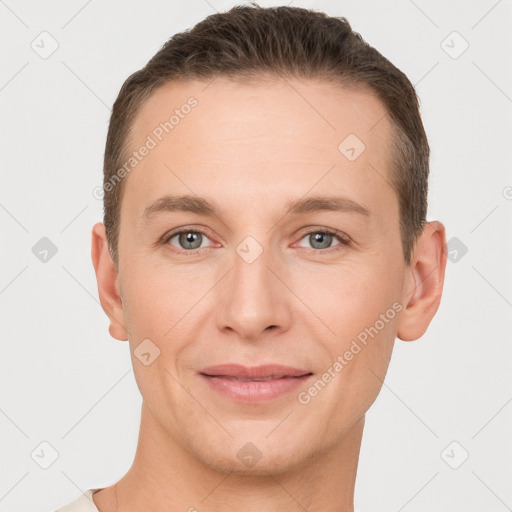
250,41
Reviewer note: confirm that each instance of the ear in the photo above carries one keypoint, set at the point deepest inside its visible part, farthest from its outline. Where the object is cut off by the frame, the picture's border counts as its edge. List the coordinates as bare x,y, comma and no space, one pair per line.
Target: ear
424,283
107,278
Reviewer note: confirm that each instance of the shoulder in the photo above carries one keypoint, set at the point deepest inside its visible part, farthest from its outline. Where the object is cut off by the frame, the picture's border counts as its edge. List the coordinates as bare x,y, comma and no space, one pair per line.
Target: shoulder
84,503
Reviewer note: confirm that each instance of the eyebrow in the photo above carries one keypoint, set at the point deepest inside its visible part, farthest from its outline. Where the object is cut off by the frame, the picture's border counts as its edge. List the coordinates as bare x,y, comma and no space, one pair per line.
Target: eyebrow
201,206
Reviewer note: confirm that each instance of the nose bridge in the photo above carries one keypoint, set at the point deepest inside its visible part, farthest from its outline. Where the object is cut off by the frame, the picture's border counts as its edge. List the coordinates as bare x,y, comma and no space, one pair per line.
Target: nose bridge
253,299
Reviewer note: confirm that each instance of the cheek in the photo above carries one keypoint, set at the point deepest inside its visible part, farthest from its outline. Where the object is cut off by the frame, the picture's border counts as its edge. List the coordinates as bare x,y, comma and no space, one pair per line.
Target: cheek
360,307
156,310
351,381
351,296
163,305
369,365
156,297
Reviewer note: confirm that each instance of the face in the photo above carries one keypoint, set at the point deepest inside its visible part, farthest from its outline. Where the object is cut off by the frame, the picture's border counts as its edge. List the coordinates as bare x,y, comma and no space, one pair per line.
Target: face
290,254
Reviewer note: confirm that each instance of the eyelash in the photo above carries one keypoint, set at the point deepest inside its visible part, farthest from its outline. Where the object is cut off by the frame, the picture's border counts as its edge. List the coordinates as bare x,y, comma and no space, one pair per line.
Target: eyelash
341,237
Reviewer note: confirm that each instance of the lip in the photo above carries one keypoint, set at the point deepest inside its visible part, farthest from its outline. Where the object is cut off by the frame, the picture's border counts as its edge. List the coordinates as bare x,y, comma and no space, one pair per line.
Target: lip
254,383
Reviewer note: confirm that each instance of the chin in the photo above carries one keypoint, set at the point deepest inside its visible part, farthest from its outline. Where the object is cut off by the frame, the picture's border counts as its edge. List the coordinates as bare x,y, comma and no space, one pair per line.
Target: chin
260,457
274,464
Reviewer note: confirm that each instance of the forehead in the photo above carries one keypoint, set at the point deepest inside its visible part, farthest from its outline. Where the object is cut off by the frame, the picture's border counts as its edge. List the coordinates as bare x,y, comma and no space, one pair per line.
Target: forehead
265,140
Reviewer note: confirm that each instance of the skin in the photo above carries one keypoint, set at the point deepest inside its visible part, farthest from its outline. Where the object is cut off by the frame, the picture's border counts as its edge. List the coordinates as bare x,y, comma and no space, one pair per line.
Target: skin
248,148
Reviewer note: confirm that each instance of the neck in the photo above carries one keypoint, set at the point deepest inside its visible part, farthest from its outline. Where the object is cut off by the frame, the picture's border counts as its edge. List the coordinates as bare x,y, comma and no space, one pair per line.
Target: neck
164,476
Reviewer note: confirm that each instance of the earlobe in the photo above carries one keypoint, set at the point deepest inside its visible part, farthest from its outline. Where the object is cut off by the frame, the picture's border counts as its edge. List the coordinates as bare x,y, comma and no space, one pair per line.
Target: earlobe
424,285
107,280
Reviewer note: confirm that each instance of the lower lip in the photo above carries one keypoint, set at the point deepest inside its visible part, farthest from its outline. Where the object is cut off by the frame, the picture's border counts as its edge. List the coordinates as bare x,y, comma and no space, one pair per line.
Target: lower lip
254,391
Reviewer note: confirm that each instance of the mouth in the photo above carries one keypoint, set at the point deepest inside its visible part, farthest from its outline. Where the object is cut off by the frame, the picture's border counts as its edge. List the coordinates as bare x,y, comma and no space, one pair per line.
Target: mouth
254,384
247,379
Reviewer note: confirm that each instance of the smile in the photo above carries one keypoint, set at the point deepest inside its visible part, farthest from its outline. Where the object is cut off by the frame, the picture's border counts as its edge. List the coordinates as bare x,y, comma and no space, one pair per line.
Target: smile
253,384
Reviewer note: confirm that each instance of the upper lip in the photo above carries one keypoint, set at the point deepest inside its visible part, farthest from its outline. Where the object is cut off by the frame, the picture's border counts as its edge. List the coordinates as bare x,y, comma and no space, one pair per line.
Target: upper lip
253,372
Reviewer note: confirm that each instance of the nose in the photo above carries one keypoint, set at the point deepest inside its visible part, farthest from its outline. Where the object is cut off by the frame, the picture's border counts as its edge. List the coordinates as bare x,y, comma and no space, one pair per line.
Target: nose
254,298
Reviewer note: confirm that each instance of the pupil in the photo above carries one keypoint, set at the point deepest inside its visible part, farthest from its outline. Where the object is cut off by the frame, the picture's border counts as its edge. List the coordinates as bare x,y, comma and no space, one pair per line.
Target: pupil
323,239
189,240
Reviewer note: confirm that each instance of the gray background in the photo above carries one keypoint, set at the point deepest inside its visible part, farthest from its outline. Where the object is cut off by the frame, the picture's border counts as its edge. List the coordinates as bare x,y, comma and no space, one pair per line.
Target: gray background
67,383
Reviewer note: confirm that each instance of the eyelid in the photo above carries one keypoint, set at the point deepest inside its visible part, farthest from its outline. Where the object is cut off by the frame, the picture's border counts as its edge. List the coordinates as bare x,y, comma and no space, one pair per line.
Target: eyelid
343,238
185,229
322,229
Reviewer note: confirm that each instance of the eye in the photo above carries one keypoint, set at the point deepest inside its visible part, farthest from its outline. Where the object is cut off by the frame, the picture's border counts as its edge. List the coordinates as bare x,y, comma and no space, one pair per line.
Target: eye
322,239
187,240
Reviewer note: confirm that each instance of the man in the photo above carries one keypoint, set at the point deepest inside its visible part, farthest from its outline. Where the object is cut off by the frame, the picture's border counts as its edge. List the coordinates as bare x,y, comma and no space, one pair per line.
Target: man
264,243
